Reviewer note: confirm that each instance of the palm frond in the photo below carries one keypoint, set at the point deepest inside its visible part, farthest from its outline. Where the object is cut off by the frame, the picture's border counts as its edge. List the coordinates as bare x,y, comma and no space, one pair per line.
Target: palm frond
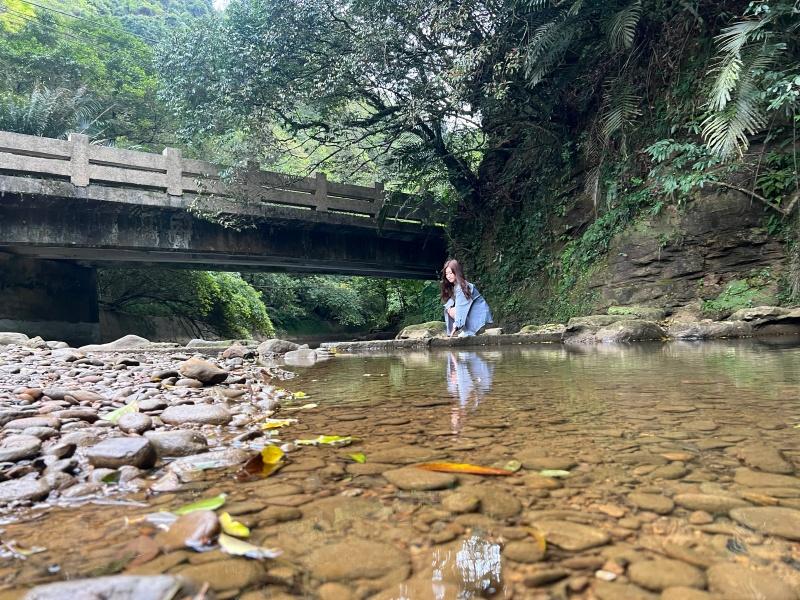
623,26
546,47
621,107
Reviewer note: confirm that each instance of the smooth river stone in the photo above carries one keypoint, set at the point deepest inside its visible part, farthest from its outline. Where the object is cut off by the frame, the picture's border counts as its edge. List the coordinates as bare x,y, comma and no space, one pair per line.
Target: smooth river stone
23,489
524,552
135,423
750,478
653,502
734,581
356,559
121,587
410,478
16,448
660,574
716,505
495,502
228,574
177,443
765,458
202,370
571,536
207,414
113,453
26,422
194,530
772,520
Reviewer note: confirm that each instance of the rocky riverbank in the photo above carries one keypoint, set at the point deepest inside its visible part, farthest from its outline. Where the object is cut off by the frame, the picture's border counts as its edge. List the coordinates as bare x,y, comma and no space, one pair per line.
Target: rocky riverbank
114,446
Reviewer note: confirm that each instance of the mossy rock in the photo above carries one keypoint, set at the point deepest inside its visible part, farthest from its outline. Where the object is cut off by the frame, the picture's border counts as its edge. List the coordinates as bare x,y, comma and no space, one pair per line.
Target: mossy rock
646,313
422,330
539,329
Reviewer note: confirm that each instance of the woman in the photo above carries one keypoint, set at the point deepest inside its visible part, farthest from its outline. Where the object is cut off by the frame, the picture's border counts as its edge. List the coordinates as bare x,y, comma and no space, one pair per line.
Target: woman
465,310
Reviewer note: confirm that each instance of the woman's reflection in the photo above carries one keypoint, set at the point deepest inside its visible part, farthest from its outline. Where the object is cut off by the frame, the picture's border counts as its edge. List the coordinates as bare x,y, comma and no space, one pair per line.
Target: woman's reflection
469,378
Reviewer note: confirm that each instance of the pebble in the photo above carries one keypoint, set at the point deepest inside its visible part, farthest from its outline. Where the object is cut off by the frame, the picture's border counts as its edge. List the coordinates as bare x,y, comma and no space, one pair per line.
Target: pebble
203,371
524,552
571,536
228,574
460,502
23,489
765,458
715,505
544,577
19,447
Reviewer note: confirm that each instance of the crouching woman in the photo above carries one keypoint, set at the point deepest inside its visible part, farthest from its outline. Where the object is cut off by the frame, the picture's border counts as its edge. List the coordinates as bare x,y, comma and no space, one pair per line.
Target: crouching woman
465,310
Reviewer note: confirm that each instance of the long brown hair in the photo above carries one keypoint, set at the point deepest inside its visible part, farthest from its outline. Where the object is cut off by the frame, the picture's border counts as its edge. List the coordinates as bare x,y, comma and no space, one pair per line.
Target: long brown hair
448,290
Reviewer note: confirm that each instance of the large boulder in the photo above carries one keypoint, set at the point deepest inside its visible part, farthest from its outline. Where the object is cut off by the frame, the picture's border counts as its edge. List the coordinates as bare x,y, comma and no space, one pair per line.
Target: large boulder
634,330
758,313
302,357
269,348
128,342
420,331
548,328
202,370
10,337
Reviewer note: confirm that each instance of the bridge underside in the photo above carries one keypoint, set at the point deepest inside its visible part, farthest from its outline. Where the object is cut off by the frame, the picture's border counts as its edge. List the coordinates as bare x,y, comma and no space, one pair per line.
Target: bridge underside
55,241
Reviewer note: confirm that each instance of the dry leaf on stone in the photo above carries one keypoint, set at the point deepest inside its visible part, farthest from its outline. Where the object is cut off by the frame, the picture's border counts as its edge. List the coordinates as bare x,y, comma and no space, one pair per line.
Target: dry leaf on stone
234,528
237,547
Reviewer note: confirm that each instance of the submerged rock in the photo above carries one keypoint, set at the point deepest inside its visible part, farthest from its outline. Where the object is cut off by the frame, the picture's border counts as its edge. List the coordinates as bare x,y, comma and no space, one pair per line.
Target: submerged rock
410,478
356,559
772,520
118,587
736,582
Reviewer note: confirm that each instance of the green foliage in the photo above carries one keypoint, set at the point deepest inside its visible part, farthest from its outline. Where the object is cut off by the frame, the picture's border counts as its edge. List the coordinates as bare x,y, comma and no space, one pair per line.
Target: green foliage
738,294
219,303
299,303
49,113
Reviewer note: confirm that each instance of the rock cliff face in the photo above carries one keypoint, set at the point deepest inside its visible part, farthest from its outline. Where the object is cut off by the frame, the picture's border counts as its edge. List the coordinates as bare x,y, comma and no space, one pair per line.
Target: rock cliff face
682,256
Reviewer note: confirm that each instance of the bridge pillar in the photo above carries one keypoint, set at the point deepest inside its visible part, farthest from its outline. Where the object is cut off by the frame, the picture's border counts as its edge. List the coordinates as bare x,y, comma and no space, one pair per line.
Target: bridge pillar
54,299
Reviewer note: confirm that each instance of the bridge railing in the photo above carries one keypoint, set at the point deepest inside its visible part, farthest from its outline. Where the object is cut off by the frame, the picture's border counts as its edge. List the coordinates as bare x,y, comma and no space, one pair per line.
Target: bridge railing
83,164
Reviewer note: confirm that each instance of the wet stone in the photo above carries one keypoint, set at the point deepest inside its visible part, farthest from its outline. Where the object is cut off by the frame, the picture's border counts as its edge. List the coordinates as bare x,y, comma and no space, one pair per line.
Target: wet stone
194,530
736,582
749,478
524,552
459,502
716,505
209,414
23,489
26,422
19,447
772,520
123,587
653,502
685,593
229,574
605,590
660,574
177,443
355,559
116,452
409,478
765,458
571,536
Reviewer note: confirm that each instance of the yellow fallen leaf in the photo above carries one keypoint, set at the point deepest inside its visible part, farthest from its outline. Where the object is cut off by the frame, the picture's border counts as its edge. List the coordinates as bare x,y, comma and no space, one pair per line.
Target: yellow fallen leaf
304,407
232,527
359,457
463,468
263,464
326,439
237,547
277,423
300,395
541,542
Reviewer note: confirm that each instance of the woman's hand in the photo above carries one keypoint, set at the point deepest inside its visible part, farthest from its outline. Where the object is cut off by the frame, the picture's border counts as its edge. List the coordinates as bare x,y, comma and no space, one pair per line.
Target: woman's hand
452,312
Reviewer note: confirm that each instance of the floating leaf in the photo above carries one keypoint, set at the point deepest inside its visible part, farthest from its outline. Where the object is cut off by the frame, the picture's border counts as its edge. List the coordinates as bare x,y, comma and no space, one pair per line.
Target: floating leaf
554,473
359,457
263,464
232,527
513,466
304,407
205,504
237,547
327,440
463,468
300,395
277,423
112,477
115,415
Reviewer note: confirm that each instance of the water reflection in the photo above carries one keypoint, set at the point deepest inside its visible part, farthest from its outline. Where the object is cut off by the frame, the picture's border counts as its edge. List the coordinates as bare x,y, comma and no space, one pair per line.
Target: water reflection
469,378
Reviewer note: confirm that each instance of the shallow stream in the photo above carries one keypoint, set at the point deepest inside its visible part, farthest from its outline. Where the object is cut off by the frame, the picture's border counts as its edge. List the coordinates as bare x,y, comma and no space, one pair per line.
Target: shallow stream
641,467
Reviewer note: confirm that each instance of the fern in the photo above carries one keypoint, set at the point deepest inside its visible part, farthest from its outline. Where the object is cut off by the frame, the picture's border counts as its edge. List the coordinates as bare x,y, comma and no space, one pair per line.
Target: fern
623,26
621,109
49,112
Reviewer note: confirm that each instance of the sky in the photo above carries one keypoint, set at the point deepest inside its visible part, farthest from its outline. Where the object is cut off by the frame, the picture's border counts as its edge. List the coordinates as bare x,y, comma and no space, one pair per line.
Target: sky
221,4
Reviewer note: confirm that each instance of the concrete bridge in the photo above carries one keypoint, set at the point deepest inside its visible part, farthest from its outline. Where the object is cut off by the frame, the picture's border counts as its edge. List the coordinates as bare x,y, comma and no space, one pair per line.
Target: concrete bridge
67,206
